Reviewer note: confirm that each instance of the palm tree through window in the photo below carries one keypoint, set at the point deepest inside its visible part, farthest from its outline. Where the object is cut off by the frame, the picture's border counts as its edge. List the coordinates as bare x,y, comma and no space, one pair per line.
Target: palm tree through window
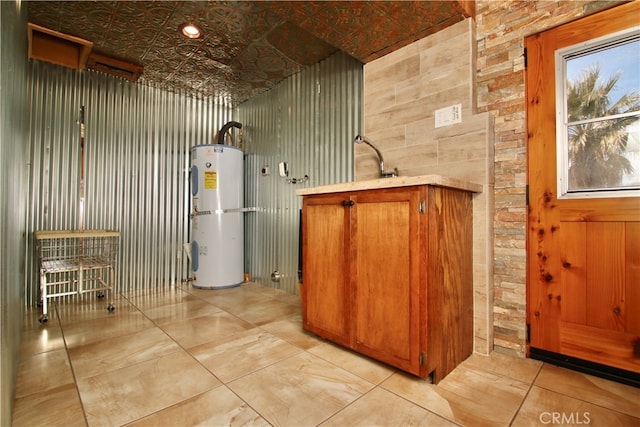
598,119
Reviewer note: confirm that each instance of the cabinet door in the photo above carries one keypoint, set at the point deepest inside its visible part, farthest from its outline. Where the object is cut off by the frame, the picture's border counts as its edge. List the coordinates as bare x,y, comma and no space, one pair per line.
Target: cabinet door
325,234
386,238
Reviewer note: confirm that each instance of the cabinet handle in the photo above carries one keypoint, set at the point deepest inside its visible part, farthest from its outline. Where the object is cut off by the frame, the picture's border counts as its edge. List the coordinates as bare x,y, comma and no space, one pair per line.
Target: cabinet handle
348,203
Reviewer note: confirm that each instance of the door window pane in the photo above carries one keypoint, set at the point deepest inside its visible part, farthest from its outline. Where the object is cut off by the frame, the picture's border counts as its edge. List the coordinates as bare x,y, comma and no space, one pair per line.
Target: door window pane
599,117
601,157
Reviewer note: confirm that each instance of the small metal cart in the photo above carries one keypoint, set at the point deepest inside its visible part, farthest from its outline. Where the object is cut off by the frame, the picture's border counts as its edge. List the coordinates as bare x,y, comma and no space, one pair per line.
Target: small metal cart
74,262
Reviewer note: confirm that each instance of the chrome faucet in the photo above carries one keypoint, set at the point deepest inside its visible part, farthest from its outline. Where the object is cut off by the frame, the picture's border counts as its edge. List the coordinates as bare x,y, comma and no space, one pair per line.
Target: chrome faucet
359,139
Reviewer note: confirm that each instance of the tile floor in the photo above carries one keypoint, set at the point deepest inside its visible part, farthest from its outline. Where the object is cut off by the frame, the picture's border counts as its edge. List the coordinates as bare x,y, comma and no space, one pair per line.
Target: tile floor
183,356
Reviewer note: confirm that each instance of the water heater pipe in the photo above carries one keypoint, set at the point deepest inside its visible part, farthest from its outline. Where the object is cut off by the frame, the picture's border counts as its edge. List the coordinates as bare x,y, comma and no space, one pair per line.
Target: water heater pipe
225,128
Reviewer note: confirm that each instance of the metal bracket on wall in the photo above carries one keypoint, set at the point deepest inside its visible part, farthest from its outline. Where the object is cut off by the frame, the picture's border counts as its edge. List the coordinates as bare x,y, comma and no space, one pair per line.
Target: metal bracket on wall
251,209
221,211
298,180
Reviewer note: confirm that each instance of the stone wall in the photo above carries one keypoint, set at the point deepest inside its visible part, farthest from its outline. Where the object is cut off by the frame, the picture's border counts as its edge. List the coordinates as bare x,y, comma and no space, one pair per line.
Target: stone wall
501,27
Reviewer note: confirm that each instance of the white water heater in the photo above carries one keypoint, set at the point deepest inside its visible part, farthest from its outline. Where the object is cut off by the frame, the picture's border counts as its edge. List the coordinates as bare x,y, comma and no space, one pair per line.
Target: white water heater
217,222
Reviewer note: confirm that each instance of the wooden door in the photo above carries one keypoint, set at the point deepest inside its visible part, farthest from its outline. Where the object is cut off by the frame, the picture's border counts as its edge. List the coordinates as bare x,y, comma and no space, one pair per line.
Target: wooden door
325,291
385,275
583,296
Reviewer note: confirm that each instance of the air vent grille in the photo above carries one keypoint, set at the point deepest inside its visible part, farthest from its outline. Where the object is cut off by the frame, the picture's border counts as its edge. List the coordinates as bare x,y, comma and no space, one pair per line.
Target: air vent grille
114,67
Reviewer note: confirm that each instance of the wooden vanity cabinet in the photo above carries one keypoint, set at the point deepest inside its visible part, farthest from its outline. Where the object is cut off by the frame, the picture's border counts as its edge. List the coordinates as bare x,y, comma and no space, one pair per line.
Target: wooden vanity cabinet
388,273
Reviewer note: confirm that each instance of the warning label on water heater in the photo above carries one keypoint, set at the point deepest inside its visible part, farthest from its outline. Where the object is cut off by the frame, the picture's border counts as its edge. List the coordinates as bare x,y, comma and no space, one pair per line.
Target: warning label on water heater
210,180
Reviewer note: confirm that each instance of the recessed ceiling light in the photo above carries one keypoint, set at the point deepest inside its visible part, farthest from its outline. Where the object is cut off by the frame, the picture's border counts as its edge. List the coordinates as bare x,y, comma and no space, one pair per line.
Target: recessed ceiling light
191,31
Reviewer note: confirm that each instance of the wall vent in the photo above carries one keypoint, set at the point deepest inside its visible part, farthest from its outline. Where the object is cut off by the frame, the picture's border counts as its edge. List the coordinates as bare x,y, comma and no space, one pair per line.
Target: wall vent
114,67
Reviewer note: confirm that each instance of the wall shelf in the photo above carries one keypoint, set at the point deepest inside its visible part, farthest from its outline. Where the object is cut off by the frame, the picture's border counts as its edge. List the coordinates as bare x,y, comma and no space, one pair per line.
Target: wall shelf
61,49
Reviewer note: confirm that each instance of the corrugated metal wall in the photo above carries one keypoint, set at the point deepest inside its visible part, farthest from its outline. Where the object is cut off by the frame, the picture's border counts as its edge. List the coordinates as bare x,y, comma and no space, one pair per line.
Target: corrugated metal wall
308,121
137,142
14,130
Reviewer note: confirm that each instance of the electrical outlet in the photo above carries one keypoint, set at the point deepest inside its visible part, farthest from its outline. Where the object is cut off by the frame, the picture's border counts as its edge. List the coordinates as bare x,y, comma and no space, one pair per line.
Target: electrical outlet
448,115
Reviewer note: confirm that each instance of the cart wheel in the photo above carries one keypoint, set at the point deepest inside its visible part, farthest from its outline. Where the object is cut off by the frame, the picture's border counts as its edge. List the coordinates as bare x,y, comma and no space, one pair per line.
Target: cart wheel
111,307
43,319
100,295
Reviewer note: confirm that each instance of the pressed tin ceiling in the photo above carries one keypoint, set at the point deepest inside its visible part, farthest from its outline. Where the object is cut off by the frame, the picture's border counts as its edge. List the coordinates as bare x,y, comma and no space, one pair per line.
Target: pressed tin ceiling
247,46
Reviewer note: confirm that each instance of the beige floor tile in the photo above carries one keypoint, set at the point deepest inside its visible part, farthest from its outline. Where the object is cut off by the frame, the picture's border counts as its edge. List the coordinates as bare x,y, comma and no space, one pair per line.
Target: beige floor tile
116,324
217,407
158,290
616,396
82,308
265,290
266,311
464,396
129,294
134,365
197,292
364,367
245,290
382,408
290,330
274,293
242,353
236,300
203,329
545,407
289,298
40,337
114,353
31,319
482,385
187,309
42,372
128,394
302,390
55,407
149,299
524,370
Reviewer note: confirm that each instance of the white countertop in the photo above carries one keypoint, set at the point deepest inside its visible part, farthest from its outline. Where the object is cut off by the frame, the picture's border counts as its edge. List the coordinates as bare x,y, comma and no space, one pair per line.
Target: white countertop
398,181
